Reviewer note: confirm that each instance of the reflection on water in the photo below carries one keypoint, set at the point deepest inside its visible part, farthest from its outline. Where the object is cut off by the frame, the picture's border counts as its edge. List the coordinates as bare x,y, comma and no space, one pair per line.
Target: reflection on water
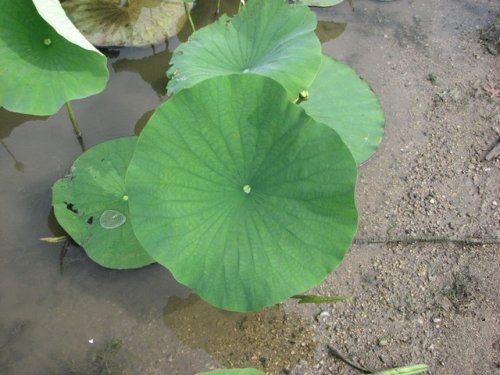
269,339
141,123
17,164
329,30
8,122
205,12
152,68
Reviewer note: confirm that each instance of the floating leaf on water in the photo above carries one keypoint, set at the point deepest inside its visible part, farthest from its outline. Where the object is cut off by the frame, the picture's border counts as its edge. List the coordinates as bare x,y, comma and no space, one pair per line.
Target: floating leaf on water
340,99
240,194
131,23
267,37
82,202
45,61
111,219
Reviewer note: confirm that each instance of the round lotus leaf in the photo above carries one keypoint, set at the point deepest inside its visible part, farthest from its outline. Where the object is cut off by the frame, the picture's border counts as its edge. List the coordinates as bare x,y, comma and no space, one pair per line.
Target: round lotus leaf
236,371
240,194
345,102
40,69
267,37
91,204
126,22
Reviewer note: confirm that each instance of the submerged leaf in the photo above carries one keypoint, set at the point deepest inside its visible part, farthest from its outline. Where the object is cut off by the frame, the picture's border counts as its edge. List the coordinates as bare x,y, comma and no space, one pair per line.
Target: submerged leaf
41,69
267,37
240,194
127,23
92,206
340,99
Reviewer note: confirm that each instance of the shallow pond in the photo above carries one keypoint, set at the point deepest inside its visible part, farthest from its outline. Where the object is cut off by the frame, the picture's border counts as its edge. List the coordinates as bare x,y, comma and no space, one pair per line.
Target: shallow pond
60,312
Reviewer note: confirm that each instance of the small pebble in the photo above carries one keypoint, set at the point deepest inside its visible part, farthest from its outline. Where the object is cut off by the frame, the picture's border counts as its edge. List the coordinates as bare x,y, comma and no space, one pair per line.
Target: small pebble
383,342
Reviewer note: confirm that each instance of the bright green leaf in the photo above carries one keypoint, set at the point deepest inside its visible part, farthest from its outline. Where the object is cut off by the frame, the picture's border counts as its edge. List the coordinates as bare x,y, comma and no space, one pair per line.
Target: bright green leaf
40,69
240,194
91,204
236,371
345,102
267,37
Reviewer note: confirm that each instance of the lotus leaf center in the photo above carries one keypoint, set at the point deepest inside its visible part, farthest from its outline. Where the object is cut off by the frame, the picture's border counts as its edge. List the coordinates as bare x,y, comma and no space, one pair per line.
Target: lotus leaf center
47,41
247,189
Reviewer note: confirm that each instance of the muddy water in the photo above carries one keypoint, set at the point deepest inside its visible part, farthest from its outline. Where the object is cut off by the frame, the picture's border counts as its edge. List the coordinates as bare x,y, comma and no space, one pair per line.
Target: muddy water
65,314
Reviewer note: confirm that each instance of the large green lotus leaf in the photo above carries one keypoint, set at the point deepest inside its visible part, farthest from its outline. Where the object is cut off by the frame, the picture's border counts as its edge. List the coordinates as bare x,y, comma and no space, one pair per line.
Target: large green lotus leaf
127,23
91,204
268,37
40,69
240,194
236,371
345,102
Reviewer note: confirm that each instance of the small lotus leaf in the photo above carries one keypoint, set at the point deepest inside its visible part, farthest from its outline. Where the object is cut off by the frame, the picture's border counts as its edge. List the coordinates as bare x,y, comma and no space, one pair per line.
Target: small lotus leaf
267,37
345,102
240,194
127,23
235,371
91,204
40,69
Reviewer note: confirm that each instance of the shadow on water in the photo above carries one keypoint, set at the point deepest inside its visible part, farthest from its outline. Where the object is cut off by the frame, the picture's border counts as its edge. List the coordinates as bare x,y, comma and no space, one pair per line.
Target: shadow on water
152,68
269,339
205,12
329,30
10,121
141,123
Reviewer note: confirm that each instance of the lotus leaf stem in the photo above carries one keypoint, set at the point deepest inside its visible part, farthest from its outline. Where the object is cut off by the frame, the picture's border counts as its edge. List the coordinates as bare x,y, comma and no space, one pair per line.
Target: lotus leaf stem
218,6
188,15
72,118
